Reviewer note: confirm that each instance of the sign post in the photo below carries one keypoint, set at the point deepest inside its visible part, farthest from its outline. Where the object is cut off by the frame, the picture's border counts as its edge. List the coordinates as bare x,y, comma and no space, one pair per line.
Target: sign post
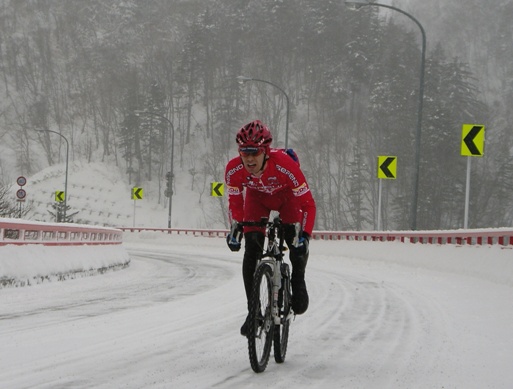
387,169
472,145
137,194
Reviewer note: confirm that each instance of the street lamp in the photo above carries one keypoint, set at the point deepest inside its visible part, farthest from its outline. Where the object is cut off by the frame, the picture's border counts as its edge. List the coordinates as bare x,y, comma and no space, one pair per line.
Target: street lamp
66,179
170,181
242,80
357,4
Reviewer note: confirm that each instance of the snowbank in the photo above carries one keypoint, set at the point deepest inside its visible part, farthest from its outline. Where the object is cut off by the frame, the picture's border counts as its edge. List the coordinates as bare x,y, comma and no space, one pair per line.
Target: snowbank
488,262
33,264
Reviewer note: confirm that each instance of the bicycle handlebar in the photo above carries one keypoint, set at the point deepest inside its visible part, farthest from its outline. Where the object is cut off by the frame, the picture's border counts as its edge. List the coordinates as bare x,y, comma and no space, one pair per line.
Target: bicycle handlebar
264,222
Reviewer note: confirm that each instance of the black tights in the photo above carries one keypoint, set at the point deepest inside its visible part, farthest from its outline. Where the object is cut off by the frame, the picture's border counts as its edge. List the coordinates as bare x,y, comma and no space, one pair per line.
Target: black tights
253,252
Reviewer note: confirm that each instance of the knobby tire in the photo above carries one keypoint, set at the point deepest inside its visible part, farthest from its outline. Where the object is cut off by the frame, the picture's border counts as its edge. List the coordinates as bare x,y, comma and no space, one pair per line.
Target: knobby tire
260,331
281,332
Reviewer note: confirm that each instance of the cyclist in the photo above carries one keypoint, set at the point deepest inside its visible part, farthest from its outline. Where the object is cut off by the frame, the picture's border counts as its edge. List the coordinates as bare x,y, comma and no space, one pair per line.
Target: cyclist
272,181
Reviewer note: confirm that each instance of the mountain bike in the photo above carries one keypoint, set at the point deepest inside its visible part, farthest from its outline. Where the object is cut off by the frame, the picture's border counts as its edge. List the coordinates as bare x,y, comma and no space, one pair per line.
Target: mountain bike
270,309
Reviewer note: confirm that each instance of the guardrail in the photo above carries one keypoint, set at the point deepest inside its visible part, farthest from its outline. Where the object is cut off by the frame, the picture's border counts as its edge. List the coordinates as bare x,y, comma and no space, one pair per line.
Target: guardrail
459,237
180,231
16,232
499,236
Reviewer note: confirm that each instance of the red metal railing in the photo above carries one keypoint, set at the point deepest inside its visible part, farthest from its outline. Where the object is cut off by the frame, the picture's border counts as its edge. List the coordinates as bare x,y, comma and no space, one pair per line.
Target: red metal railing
16,232
469,237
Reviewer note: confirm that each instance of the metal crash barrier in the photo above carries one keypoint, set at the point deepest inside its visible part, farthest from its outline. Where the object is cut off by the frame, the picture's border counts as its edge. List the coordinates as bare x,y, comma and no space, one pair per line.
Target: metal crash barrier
16,232
497,236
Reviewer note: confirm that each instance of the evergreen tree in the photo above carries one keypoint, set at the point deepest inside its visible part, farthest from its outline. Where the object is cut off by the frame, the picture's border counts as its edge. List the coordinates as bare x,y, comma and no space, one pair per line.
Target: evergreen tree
61,213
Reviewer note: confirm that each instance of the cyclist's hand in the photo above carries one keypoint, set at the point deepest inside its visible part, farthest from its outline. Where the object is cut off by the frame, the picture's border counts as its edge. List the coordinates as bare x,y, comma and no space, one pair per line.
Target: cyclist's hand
301,247
233,244
234,236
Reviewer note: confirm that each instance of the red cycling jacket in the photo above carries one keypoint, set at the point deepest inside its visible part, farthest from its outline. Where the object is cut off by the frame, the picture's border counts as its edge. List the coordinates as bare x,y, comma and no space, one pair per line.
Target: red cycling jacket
281,185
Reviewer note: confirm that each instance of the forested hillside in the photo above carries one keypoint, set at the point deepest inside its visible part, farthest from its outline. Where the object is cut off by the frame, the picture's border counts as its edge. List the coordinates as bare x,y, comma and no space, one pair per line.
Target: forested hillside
84,68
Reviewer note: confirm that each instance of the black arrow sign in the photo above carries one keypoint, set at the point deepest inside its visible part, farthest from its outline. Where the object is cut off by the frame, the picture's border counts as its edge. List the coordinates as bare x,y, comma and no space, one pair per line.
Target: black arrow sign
384,167
59,196
216,189
469,140
137,193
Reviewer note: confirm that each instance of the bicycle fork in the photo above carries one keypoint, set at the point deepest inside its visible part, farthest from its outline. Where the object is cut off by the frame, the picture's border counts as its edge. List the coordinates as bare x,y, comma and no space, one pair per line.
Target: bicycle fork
277,281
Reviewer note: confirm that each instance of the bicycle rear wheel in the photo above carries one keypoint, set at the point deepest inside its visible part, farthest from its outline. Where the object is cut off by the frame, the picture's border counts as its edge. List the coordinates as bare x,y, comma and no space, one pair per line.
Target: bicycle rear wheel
260,331
281,332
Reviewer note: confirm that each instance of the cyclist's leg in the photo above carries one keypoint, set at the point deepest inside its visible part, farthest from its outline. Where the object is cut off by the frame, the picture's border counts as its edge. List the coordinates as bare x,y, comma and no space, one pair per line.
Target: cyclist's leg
252,253
254,237
300,298
254,210
291,213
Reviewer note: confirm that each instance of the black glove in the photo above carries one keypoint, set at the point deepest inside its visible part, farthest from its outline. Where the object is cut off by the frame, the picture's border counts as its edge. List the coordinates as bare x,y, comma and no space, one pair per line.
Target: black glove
234,236
300,245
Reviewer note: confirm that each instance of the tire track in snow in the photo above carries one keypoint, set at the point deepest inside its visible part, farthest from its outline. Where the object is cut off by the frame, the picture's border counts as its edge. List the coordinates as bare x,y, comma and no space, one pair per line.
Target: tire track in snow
372,330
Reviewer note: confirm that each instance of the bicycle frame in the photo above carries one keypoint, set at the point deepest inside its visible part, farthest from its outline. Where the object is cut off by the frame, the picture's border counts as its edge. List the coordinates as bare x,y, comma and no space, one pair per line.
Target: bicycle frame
275,253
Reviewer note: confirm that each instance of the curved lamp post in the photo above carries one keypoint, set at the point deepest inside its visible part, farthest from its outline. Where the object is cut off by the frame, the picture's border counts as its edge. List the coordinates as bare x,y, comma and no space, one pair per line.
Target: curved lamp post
170,182
66,179
357,4
242,80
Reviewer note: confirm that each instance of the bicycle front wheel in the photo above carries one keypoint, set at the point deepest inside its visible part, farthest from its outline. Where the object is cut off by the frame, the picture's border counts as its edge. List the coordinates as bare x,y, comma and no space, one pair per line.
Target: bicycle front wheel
281,332
260,331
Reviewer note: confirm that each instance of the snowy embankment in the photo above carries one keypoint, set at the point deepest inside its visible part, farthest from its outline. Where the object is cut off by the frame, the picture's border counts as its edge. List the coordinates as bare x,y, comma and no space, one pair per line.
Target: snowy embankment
35,263
34,252
492,263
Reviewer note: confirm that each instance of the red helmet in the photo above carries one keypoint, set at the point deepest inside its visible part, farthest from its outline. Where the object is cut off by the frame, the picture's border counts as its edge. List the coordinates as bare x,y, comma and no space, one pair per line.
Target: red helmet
254,134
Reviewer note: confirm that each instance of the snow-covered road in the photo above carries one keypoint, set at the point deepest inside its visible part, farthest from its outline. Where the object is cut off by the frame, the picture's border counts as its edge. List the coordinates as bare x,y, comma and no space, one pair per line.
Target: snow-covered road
382,315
